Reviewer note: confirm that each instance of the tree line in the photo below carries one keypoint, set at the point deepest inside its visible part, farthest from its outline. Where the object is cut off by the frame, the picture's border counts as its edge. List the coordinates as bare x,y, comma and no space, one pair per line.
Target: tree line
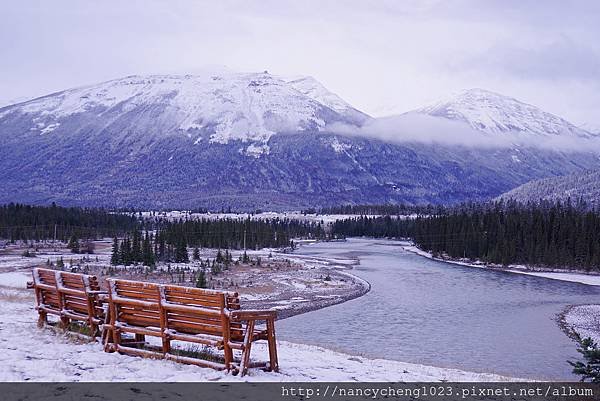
38,223
545,234
168,241
383,210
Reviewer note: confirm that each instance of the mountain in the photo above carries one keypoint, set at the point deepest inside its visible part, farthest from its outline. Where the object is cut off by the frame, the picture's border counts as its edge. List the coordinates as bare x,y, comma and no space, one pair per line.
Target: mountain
242,140
581,185
211,108
493,114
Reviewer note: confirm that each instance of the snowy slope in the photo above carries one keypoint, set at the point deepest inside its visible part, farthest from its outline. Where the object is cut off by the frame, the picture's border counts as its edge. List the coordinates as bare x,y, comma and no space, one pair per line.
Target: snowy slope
315,90
493,113
231,106
43,355
590,127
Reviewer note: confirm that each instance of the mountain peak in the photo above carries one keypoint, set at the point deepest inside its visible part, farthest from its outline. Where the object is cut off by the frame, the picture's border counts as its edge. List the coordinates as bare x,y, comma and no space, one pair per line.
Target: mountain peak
494,113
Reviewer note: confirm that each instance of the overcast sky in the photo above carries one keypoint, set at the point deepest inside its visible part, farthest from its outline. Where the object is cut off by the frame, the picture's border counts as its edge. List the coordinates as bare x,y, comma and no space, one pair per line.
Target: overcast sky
383,57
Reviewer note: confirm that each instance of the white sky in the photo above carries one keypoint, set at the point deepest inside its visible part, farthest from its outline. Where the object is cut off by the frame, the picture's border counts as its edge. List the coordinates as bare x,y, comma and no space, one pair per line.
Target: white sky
383,57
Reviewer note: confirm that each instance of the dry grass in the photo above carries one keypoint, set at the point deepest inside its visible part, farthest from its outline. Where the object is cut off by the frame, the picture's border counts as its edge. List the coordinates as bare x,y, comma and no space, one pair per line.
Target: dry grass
9,294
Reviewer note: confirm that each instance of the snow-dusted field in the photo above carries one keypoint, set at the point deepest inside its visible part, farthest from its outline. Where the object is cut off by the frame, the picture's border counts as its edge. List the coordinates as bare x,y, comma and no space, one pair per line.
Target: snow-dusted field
584,320
582,278
31,354
292,215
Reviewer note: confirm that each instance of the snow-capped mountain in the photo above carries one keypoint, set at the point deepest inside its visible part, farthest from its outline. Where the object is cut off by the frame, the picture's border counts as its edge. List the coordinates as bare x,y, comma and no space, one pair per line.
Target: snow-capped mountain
241,140
216,108
494,113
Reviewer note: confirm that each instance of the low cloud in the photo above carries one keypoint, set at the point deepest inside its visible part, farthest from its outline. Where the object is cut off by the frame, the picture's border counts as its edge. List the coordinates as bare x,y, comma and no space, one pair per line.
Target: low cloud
420,128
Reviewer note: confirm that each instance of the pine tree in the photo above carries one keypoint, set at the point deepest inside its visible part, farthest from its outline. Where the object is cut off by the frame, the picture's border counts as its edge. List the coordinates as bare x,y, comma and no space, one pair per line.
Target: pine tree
181,253
590,369
201,280
196,254
73,244
136,251
126,251
115,256
147,254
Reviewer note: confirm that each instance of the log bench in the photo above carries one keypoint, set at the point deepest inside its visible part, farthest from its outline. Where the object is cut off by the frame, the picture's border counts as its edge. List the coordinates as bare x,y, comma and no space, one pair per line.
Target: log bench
70,296
186,315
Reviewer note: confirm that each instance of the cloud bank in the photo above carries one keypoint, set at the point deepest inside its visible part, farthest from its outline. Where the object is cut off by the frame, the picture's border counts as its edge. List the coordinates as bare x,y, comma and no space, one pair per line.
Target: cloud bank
420,128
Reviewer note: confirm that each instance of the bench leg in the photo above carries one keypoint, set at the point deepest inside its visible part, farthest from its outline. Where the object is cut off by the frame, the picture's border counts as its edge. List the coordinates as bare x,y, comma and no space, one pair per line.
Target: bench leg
106,334
42,319
166,343
273,363
93,328
64,322
140,338
247,347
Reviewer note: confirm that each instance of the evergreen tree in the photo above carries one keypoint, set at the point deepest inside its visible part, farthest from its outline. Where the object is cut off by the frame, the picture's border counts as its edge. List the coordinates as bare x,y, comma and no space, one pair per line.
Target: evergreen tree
196,254
201,280
181,253
126,251
136,249
590,369
73,244
147,254
115,256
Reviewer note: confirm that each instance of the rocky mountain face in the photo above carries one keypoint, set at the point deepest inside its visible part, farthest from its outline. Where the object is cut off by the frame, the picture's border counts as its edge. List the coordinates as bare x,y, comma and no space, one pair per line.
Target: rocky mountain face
244,141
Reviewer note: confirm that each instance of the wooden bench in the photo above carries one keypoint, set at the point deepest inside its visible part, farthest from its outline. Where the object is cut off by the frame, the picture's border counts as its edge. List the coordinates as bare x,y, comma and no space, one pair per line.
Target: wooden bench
186,315
70,296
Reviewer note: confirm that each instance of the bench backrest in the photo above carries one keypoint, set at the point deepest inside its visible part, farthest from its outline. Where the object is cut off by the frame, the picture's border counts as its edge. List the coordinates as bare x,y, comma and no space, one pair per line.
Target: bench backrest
74,289
137,302
59,290
206,313
186,310
44,282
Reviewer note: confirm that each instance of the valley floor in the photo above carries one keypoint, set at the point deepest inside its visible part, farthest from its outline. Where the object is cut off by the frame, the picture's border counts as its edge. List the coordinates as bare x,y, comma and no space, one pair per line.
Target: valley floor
31,354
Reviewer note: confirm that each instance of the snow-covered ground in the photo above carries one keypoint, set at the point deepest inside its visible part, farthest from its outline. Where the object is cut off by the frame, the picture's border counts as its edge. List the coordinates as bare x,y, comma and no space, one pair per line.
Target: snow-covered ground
31,354
584,320
292,215
582,278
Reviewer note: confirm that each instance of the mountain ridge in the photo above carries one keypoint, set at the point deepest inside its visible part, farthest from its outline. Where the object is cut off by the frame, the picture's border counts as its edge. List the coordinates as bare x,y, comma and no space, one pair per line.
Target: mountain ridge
241,140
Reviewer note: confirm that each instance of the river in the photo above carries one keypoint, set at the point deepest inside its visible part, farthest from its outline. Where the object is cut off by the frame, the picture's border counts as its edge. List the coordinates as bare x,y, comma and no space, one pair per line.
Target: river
424,311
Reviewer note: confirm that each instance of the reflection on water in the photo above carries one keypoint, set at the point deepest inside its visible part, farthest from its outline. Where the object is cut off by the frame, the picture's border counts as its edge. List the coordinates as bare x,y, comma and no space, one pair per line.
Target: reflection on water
434,313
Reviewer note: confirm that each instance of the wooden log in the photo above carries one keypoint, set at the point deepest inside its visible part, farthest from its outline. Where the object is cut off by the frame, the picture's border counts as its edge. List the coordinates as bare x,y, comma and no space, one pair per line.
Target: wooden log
195,361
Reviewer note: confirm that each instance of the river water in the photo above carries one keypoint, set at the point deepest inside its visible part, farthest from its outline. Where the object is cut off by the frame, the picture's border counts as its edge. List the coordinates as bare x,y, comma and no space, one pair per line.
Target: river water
435,313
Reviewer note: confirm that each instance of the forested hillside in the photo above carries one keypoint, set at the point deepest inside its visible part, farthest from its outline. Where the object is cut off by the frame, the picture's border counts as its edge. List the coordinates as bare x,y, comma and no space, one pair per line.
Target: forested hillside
581,185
